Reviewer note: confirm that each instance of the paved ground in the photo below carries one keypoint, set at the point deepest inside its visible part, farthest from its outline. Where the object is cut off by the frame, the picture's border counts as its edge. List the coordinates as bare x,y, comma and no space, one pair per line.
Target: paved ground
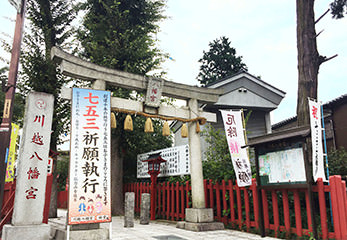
166,230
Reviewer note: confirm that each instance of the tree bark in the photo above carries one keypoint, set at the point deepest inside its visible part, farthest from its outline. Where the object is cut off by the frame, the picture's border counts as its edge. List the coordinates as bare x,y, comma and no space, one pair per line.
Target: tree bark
116,176
308,59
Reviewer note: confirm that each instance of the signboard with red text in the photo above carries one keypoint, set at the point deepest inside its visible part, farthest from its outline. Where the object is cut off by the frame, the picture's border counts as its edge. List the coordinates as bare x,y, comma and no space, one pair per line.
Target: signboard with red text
33,158
90,183
317,144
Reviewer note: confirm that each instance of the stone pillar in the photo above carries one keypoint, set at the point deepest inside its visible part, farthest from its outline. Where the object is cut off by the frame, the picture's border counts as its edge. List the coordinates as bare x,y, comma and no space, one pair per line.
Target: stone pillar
198,194
145,207
129,209
198,218
32,171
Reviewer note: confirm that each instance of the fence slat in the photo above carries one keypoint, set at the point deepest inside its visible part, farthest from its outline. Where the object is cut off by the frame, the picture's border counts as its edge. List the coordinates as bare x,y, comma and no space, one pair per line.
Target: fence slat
297,213
225,207
210,187
182,202
275,211
218,202
231,199
265,209
308,211
335,208
322,208
239,207
206,193
255,203
247,208
286,212
172,201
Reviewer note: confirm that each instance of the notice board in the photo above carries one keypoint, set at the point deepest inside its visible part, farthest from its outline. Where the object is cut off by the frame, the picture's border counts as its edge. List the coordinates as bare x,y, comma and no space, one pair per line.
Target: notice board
284,166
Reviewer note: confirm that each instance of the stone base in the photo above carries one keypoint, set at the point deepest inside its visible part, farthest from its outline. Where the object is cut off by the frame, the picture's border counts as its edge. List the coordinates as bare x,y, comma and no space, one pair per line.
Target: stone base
39,232
199,215
200,227
93,234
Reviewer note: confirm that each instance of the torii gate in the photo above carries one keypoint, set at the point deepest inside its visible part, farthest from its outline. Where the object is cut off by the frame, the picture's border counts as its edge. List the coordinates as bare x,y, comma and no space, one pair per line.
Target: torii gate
100,76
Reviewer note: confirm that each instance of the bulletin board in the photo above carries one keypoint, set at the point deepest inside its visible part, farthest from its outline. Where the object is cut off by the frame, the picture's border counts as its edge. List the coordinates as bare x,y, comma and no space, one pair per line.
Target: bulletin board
284,166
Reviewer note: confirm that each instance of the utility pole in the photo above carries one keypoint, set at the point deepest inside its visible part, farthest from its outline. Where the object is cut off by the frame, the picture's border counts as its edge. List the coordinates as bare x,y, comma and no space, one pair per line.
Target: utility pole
5,127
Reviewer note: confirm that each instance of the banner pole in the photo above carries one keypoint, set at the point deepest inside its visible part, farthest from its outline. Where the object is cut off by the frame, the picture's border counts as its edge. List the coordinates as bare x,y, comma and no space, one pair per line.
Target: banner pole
326,162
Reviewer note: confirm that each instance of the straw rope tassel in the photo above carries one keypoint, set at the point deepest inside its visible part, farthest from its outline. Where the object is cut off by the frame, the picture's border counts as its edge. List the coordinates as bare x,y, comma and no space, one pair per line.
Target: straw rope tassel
113,120
148,126
184,130
197,129
128,123
166,129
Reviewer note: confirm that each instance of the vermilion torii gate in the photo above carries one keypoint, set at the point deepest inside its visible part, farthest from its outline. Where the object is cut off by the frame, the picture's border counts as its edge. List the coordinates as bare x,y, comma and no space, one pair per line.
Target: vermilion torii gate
100,76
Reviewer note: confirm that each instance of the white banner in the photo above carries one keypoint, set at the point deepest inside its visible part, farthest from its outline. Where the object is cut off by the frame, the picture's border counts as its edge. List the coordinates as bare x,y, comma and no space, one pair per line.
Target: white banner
317,145
89,179
177,162
235,136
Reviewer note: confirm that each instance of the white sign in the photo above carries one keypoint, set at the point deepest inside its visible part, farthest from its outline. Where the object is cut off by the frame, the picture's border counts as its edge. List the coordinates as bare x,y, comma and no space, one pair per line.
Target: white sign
236,140
89,178
33,160
317,145
177,162
154,91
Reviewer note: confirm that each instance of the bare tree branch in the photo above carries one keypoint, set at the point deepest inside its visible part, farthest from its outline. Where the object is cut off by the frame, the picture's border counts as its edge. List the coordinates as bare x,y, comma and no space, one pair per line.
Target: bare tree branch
321,16
323,59
319,33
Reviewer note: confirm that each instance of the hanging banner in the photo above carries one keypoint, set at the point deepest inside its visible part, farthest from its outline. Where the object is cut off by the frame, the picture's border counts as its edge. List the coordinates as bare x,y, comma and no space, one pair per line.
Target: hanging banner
12,153
236,139
90,154
316,136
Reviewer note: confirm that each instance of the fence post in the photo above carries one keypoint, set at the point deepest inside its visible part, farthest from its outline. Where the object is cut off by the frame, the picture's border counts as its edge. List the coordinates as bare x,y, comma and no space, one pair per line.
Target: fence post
275,211
231,197
255,203
338,207
322,208
286,212
297,210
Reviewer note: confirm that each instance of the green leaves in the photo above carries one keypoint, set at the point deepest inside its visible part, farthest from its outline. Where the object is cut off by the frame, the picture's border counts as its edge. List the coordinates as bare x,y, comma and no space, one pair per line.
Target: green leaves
219,62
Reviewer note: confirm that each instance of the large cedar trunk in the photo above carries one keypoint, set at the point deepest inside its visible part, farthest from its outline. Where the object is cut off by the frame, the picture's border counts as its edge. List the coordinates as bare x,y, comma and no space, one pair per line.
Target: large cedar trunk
116,177
308,58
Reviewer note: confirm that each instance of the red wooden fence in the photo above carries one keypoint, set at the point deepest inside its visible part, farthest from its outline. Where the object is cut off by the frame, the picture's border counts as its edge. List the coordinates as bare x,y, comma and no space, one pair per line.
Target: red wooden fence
284,210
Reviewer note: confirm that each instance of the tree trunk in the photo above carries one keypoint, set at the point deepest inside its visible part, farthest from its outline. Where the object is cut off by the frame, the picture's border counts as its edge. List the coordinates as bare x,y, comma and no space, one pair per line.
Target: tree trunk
308,59
116,177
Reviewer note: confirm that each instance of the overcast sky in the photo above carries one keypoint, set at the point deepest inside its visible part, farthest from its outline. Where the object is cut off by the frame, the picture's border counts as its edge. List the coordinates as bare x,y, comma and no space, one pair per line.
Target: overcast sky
262,32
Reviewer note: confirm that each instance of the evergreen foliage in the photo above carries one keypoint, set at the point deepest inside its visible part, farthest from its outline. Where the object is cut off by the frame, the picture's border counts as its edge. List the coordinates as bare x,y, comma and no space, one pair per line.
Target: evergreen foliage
49,25
338,162
218,165
219,62
338,8
121,35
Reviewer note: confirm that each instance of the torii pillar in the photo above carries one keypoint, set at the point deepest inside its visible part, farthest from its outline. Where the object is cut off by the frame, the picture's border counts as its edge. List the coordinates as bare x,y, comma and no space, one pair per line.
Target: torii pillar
198,218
